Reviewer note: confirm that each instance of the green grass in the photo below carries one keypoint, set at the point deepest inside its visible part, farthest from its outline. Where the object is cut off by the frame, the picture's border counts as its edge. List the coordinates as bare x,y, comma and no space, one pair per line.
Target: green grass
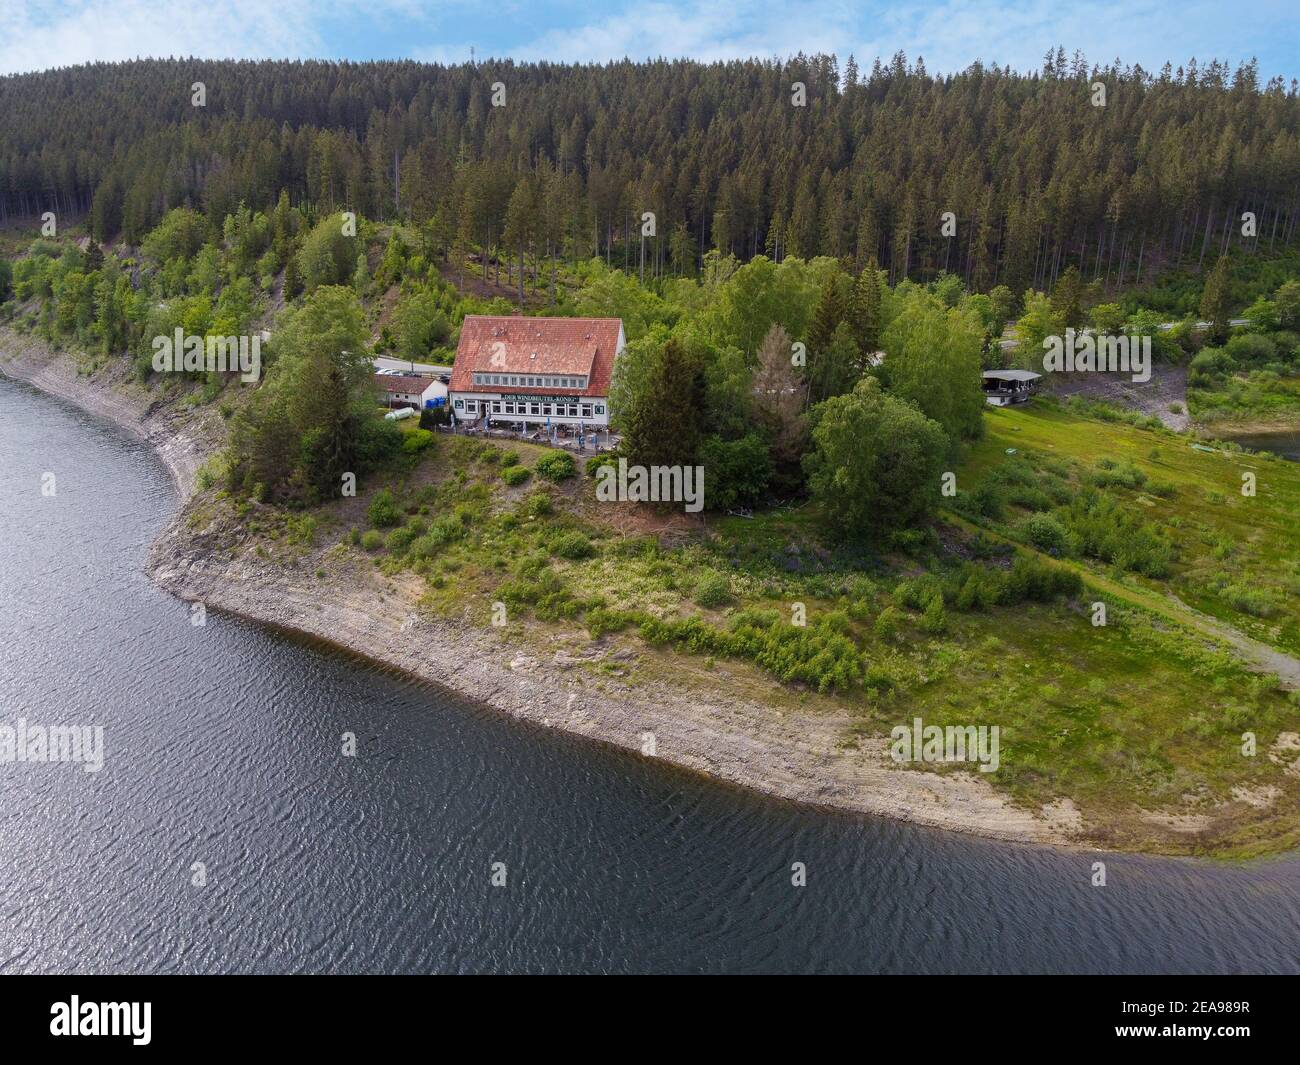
1232,552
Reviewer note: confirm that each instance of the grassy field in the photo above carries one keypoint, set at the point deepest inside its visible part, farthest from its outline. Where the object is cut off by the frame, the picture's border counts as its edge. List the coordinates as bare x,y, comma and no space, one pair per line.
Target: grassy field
1231,555
1139,722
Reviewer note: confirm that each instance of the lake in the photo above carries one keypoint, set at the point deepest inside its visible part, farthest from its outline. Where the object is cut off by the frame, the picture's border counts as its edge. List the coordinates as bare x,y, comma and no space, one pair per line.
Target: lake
1285,443
222,747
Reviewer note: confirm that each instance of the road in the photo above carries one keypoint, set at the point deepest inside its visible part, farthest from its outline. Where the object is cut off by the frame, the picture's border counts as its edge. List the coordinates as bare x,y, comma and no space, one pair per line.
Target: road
425,368
1007,343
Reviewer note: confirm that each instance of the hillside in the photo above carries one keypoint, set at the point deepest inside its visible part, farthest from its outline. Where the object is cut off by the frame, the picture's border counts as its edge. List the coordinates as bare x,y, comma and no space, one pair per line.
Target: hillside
811,156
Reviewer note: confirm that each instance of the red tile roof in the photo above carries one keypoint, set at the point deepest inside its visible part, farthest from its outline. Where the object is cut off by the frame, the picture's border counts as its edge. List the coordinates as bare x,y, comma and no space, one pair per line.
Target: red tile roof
397,383
551,346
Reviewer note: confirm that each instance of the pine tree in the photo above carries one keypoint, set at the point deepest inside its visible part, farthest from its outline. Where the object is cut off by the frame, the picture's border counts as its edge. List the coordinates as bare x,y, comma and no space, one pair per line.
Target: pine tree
1214,302
521,225
836,369
827,316
866,310
666,421
1067,298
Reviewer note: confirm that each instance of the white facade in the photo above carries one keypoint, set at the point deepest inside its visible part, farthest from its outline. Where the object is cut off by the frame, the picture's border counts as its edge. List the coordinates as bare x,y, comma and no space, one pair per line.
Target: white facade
536,408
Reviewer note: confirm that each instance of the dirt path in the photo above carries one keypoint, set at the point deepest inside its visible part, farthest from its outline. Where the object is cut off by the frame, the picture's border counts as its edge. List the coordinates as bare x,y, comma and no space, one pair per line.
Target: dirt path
1258,657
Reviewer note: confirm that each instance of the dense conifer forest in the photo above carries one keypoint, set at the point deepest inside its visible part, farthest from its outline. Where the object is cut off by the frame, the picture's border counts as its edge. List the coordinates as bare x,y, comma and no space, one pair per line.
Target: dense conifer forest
551,161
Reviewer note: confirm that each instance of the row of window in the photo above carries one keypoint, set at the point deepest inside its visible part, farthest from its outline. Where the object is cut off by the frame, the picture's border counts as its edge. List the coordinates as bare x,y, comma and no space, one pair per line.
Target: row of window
526,381
549,410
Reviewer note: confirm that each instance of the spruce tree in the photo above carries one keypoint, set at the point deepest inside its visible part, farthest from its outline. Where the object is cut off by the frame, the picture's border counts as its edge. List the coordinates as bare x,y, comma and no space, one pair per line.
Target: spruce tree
665,423
865,309
1214,302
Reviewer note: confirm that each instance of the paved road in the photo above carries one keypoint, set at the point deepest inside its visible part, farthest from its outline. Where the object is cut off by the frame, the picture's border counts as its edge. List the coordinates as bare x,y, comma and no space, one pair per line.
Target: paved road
425,368
1012,342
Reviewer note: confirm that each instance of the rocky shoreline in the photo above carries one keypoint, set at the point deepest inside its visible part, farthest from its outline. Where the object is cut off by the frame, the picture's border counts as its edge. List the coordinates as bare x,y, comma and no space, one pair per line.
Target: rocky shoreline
793,754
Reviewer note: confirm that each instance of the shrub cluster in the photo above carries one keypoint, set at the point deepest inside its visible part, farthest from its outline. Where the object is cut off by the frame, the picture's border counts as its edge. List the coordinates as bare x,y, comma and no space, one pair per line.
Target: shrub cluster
555,466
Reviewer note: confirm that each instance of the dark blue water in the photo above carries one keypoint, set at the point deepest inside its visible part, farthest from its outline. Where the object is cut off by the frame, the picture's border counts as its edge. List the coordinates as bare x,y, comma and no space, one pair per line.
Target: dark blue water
223,747
1285,443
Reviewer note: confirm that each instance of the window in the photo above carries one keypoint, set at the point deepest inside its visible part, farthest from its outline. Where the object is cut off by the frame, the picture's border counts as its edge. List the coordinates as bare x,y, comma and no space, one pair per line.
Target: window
496,406
470,405
533,408
573,410
510,408
586,410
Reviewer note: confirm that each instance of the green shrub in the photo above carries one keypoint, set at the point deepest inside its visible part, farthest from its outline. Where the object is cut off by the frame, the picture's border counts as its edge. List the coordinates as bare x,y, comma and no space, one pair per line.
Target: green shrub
1250,600
509,458
416,441
515,475
917,592
384,511
886,626
986,500
1103,530
555,466
935,619
572,545
1046,531
372,540
538,504
447,529
1124,474
712,588
423,547
399,540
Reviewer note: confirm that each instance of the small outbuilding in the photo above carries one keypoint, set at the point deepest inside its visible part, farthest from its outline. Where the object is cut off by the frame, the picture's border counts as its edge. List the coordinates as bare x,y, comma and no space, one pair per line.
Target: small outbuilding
400,390
1003,387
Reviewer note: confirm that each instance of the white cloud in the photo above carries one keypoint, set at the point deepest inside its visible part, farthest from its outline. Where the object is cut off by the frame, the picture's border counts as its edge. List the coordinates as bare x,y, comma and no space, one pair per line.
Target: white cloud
38,37
950,34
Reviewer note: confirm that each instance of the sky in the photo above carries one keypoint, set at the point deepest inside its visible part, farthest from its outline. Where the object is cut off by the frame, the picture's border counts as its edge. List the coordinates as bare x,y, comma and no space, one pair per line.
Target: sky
948,34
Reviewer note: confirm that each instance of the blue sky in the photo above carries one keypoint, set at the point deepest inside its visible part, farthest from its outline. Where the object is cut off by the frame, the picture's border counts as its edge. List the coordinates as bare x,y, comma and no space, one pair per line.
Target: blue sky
949,34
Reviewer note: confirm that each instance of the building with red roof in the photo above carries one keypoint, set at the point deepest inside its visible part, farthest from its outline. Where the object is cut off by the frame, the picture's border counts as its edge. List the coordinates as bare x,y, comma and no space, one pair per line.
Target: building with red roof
534,372
399,390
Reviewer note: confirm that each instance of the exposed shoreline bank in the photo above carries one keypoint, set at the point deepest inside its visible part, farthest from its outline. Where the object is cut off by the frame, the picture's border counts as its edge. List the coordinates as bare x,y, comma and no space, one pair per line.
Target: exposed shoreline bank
791,754
731,725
